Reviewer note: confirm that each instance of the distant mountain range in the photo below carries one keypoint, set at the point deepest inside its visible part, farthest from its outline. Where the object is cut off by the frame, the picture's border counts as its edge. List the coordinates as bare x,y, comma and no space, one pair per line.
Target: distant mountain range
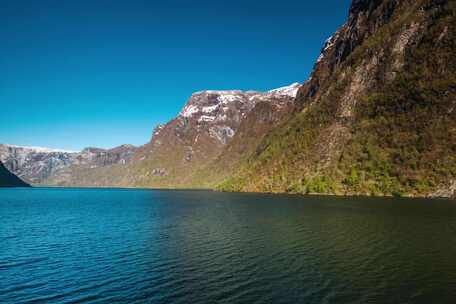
376,117
44,166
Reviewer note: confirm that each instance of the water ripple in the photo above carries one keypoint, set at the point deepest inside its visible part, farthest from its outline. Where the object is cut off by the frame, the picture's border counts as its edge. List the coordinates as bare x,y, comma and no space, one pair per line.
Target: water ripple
139,246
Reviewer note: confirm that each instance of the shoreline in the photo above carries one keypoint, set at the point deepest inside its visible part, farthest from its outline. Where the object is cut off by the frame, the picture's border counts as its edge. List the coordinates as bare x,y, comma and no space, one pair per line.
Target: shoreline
350,195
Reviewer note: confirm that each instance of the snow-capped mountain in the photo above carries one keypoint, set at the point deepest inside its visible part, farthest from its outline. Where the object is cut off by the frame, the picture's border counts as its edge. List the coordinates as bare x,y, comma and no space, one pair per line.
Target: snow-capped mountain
221,112
289,91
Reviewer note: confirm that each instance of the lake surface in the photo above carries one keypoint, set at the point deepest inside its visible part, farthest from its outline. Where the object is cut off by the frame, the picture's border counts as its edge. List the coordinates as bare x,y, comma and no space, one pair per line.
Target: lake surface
147,246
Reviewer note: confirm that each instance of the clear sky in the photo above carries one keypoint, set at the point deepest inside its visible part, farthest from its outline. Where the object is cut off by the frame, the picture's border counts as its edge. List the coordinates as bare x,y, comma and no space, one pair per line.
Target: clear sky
104,72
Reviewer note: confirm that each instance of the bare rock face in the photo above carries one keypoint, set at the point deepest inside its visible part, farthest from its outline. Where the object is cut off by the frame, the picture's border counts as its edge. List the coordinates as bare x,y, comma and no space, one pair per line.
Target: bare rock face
36,164
446,191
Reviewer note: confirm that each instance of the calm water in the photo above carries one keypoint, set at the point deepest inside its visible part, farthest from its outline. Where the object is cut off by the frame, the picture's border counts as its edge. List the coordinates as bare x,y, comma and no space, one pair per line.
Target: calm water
139,246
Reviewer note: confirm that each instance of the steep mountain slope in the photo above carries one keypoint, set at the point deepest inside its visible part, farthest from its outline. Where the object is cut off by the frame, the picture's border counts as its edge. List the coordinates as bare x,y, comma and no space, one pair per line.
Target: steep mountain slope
8,179
377,115
46,166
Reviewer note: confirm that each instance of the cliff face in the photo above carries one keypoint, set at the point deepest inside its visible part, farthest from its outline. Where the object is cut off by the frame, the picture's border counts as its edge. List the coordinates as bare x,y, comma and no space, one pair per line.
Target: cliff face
365,19
377,115
8,179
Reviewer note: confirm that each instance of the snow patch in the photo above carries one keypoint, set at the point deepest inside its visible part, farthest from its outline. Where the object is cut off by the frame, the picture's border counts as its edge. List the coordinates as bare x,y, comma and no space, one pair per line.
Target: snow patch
227,98
205,118
221,133
210,109
328,43
157,129
290,90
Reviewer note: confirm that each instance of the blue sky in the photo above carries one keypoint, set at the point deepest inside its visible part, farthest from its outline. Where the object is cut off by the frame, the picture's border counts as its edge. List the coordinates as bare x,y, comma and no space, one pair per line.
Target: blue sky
103,73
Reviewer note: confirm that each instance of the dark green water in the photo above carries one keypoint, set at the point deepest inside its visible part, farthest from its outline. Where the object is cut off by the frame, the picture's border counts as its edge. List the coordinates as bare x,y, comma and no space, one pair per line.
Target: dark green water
139,246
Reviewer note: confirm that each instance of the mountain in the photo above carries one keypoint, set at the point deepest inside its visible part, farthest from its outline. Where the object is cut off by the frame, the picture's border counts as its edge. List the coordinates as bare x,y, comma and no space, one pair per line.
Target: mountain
376,116
43,166
8,179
